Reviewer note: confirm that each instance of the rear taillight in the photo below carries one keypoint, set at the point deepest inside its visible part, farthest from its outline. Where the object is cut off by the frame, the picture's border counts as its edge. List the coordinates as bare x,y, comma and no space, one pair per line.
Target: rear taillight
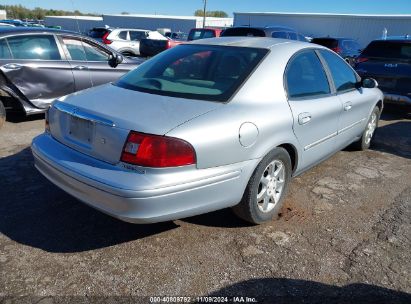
157,151
337,50
361,59
105,40
168,44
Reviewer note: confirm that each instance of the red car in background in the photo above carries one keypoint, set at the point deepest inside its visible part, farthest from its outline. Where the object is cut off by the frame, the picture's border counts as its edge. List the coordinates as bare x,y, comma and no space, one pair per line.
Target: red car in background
203,33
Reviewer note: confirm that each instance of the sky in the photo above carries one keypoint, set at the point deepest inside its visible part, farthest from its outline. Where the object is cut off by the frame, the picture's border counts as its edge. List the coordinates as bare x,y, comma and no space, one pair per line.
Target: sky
187,7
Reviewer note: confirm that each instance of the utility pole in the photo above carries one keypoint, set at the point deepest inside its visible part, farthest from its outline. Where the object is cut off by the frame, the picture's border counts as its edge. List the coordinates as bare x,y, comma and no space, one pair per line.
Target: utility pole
204,12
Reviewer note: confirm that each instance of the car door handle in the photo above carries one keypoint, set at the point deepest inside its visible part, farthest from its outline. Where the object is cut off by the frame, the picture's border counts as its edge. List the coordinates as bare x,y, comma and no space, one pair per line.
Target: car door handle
81,67
304,118
347,106
12,66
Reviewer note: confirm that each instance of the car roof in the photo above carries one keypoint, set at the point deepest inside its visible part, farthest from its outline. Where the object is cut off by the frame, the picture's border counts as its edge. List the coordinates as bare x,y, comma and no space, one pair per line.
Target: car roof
395,39
402,37
27,30
243,41
131,29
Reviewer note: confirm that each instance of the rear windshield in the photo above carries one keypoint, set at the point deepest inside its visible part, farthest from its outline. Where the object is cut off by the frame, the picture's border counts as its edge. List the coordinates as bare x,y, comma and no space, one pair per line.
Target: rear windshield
327,42
195,71
243,31
97,33
200,34
388,49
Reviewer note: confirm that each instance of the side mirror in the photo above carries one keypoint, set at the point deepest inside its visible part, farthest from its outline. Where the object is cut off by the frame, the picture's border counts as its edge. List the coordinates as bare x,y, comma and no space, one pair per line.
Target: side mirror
369,83
114,60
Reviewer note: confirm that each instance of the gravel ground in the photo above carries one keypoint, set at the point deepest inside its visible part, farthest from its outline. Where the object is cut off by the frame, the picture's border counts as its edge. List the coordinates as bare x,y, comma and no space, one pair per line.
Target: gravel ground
344,236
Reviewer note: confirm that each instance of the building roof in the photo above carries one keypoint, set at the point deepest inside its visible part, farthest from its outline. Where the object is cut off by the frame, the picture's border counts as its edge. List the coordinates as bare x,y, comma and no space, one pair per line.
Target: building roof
166,17
94,18
326,14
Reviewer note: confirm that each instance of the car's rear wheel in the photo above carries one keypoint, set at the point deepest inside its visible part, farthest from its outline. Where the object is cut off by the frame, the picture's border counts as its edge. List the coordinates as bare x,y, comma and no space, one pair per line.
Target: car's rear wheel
265,192
2,114
365,141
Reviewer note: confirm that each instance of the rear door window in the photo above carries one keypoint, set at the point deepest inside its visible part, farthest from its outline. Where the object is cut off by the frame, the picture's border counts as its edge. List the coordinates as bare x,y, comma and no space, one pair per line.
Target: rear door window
137,35
42,47
305,77
84,51
123,35
343,76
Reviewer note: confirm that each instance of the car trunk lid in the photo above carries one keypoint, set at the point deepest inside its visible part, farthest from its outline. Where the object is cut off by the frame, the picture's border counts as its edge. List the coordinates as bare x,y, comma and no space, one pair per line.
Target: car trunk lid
97,121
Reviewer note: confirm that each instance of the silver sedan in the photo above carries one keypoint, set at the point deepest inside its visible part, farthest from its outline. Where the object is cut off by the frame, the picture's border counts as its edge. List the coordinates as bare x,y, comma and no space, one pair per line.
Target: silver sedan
217,123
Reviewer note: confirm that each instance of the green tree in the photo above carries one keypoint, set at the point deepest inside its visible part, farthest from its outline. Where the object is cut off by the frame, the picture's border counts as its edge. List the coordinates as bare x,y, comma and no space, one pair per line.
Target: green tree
221,14
21,12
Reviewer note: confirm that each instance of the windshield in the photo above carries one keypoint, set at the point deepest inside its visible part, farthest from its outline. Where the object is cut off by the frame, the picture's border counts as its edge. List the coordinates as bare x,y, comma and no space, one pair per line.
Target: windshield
195,71
388,49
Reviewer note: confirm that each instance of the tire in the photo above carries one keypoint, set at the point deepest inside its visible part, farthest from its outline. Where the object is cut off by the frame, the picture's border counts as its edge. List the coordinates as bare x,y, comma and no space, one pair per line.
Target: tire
2,114
264,195
364,142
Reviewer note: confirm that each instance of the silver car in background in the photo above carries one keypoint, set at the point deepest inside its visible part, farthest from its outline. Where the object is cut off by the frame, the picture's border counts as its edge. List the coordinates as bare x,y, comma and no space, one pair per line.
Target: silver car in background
127,41
217,123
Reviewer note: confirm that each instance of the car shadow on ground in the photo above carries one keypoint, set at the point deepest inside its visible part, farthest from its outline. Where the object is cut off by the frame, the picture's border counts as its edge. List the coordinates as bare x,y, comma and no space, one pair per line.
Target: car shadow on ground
276,290
36,213
394,138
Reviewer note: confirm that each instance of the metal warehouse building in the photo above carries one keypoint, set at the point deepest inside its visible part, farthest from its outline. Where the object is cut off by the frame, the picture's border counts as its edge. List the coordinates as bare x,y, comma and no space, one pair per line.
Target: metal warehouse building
175,23
149,22
364,28
74,23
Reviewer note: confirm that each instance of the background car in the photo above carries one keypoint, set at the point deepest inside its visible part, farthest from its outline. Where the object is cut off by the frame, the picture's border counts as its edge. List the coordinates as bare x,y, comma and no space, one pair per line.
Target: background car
151,47
98,33
389,62
222,122
203,33
127,41
268,31
347,48
38,65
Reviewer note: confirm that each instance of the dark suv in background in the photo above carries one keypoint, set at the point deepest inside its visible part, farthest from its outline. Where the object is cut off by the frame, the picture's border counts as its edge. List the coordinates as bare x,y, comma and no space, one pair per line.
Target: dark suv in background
268,31
389,62
347,48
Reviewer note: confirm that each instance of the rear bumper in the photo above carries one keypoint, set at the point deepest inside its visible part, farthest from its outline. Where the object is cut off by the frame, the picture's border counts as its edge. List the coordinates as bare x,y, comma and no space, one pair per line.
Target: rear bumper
155,196
397,99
